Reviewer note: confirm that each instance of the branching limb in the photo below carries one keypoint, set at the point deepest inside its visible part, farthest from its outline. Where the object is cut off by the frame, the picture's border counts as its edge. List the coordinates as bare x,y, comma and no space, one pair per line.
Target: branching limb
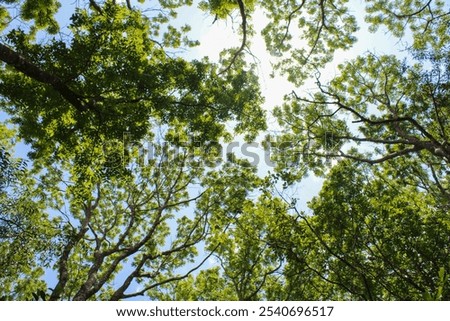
244,36
63,269
129,5
96,6
29,69
289,20
172,279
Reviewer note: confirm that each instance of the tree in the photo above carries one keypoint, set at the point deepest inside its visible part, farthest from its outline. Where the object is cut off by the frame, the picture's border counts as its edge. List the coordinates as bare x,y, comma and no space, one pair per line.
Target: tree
247,266
381,109
26,231
125,194
378,134
111,75
370,237
121,237
88,99
366,237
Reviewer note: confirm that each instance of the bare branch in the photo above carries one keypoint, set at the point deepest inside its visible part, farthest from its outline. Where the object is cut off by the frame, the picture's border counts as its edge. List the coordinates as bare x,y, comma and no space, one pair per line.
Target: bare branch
172,279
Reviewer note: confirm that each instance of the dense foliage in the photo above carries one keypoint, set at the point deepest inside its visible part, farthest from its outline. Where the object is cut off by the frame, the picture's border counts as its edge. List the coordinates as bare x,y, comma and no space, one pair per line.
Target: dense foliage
125,191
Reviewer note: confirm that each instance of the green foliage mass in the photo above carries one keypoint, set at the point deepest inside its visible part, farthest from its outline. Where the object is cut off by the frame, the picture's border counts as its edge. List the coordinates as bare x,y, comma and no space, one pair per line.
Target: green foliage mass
126,193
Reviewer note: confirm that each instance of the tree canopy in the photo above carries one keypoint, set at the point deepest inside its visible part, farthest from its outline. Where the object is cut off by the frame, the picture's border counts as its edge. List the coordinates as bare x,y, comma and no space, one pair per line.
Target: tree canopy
126,193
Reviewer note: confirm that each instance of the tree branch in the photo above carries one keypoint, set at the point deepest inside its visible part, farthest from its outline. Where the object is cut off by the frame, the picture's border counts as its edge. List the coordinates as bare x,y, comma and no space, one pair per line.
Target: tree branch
410,15
129,5
289,20
96,6
29,69
63,271
244,36
172,279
